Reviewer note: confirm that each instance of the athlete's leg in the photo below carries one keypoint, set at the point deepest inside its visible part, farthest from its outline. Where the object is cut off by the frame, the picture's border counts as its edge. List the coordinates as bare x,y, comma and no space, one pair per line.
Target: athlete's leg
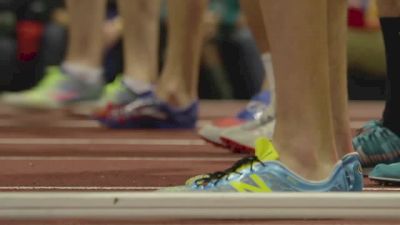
140,19
253,13
337,37
381,142
80,79
85,45
390,23
299,44
178,83
173,104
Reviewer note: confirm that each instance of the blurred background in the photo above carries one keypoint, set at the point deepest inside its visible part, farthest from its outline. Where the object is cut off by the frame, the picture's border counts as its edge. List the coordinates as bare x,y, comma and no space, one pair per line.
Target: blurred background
33,35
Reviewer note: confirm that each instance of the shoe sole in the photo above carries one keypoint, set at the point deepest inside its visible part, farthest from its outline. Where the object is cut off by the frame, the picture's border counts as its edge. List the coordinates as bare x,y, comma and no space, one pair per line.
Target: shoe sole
32,108
83,109
366,171
237,147
386,181
220,145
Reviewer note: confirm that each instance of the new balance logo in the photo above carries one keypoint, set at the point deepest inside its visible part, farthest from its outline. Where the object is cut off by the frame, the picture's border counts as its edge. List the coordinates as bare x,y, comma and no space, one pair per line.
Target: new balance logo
243,187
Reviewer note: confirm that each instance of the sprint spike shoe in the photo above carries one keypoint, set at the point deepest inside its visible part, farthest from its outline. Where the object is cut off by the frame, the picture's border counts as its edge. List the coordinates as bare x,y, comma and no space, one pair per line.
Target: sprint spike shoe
369,125
258,104
212,132
147,111
386,174
253,111
117,93
260,173
114,95
55,90
242,139
377,144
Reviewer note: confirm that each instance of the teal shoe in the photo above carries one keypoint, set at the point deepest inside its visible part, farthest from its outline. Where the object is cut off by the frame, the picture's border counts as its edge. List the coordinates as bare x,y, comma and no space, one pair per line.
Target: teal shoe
386,173
263,173
377,144
369,125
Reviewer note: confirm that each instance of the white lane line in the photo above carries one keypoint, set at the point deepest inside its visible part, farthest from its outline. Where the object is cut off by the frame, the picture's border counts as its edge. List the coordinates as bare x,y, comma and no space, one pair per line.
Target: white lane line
98,141
381,189
69,124
95,124
63,123
81,158
152,205
78,188
77,124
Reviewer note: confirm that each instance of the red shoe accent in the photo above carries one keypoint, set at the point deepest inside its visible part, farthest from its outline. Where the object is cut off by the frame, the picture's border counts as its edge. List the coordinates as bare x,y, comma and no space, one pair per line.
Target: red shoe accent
236,147
103,113
227,122
214,143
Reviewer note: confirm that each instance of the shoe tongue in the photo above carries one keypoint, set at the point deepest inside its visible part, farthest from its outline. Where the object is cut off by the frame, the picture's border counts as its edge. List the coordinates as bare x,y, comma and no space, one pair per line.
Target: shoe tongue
265,150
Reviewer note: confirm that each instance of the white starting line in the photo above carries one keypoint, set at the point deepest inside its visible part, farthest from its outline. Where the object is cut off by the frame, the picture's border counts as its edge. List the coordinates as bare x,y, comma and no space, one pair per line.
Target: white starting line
76,188
95,124
156,205
98,141
84,158
71,124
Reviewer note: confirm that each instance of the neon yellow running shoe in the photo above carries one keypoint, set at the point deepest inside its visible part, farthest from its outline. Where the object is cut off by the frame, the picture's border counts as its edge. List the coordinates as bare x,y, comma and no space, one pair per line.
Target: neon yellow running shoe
116,93
55,90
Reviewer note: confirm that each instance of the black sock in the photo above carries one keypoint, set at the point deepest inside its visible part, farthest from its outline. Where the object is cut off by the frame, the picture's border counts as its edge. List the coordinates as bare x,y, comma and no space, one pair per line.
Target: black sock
391,34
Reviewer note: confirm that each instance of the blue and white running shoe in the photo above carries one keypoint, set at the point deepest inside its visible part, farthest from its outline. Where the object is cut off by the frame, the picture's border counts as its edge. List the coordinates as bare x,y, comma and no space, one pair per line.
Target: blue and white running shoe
148,112
258,104
255,109
261,174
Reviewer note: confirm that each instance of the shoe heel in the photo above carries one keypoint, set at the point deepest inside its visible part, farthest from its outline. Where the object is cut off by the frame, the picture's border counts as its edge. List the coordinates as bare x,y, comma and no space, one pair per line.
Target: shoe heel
352,165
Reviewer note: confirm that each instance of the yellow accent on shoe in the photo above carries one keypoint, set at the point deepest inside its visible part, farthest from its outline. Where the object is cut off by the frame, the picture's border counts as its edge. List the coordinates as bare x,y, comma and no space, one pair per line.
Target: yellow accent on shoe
40,96
265,150
243,187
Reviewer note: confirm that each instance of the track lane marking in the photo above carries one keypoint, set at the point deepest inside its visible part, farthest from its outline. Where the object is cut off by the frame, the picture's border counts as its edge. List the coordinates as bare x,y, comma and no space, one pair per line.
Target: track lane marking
82,158
94,124
77,188
71,124
99,141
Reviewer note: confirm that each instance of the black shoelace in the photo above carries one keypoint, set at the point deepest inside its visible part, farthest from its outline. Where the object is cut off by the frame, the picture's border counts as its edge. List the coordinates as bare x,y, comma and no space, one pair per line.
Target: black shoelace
217,176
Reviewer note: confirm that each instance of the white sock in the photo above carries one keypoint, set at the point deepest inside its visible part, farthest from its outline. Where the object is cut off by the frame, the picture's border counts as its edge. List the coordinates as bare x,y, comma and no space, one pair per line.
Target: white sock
270,76
137,86
91,75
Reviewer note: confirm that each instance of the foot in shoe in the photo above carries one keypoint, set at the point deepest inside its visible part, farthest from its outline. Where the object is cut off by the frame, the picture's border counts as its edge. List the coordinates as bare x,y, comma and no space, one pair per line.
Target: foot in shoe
263,173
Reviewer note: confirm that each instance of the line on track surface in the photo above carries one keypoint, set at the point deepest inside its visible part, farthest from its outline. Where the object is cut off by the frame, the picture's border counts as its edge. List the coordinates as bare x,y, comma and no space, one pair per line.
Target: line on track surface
94,124
94,141
77,158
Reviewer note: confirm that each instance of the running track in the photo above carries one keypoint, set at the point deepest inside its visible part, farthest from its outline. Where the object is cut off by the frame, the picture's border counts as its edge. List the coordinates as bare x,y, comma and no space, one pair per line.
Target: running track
54,151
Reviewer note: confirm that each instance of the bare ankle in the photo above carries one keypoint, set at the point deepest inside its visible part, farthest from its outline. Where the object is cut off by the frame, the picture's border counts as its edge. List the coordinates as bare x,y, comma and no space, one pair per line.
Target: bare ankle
175,98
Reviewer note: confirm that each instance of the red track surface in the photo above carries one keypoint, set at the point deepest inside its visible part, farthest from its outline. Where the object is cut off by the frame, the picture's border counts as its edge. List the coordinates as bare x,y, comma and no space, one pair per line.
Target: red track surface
33,158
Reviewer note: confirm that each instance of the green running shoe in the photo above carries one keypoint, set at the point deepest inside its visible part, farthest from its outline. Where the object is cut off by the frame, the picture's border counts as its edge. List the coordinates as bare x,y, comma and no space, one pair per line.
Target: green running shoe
377,144
384,173
55,90
116,93
369,125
